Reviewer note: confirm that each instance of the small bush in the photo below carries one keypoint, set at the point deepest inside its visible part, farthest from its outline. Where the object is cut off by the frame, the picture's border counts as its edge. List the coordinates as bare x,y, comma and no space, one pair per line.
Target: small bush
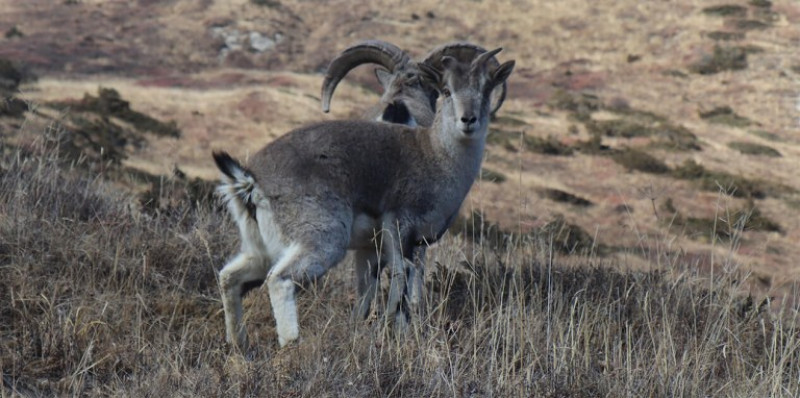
737,186
580,104
10,77
267,3
751,24
546,146
109,103
492,176
558,195
510,140
760,3
722,58
633,159
725,227
727,10
767,135
726,36
725,115
749,148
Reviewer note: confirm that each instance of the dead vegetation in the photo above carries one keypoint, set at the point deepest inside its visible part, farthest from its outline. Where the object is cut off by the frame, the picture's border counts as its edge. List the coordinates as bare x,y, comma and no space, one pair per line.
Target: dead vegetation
725,36
512,141
722,227
10,78
98,133
492,176
735,185
629,122
725,115
108,300
108,103
721,59
726,10
633,123
751,148
738,20
561,235
767,135
565,197
633,159
511,134
130,307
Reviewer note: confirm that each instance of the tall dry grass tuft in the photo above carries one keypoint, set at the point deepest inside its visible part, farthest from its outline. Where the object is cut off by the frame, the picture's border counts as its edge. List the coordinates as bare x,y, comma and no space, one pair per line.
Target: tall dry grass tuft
102,296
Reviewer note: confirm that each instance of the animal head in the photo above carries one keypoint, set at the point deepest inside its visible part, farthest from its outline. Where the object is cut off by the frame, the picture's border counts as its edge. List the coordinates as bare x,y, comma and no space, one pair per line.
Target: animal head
466,89
400,77
405,87
398,74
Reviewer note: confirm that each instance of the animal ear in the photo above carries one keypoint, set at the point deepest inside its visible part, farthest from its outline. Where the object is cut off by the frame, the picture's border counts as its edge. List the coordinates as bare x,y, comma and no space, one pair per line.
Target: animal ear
502,72
430,75
384,77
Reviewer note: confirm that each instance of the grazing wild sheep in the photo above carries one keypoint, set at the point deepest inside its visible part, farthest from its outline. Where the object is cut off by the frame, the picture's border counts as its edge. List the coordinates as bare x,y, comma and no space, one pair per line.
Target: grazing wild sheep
309,196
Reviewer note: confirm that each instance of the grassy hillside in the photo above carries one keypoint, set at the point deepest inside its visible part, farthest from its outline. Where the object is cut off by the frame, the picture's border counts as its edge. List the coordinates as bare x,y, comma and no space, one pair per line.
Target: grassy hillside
654,113
634,232
106,295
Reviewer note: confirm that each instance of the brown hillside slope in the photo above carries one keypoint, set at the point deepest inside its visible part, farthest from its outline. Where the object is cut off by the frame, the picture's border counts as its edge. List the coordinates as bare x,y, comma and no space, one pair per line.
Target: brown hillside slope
688,83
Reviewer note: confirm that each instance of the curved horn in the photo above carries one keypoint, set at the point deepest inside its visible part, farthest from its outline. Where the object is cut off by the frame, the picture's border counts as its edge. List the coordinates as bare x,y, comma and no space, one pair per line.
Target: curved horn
487,56
463,52
466,52
371,51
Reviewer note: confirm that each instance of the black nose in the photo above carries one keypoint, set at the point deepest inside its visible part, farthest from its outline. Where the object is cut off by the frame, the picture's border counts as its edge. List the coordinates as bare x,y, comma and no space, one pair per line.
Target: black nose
469,119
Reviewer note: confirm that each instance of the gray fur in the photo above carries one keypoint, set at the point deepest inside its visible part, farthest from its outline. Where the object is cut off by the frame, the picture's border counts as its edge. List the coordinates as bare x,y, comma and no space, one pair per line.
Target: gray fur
329,187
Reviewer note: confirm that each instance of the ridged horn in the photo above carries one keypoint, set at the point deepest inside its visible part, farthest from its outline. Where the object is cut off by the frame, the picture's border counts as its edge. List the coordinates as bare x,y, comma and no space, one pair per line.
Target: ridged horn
466,52
378,52
487,56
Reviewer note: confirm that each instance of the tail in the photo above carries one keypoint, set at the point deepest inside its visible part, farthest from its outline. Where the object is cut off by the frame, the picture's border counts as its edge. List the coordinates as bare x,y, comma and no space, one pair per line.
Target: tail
238,187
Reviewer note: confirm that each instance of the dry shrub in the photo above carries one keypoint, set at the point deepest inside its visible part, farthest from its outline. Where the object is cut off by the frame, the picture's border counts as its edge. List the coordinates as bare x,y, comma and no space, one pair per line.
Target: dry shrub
723,58
725,115
751,148
633,159
558,195
737,185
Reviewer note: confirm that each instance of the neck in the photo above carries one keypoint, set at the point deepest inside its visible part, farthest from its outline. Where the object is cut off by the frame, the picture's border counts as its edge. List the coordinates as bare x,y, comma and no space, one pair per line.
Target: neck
454,150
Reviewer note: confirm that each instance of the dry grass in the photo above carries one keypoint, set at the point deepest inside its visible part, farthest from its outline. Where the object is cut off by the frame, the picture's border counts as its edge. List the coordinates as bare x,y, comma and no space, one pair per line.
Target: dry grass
622,66
114,294
103,297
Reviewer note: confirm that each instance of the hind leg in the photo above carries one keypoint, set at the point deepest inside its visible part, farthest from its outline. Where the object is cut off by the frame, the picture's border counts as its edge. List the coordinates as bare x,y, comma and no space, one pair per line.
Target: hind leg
416,278
299,264
367,269
233,279
397,258
281,296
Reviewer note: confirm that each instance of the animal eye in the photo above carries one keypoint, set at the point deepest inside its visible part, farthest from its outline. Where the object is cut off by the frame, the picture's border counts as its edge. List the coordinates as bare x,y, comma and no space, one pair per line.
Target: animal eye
446,92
